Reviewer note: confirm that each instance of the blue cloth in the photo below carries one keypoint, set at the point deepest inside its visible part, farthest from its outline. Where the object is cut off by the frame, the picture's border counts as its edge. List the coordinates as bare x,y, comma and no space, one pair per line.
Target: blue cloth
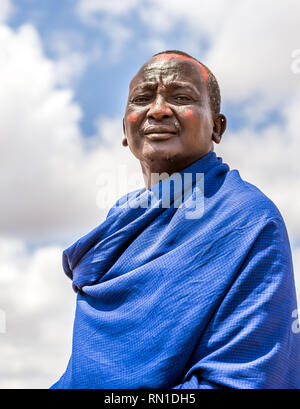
165,301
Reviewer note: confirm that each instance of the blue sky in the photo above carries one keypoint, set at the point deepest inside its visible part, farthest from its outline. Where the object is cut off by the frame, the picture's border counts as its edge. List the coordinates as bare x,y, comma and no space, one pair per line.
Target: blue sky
65,67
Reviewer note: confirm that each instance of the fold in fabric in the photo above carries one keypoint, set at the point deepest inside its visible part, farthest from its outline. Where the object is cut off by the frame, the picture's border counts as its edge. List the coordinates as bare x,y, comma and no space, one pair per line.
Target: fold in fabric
169,300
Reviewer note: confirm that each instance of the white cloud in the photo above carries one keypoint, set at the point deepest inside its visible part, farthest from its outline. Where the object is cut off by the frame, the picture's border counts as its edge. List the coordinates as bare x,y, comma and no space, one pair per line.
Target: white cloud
38,302
39,134
88,8
161,16
48,178
205,17
251,54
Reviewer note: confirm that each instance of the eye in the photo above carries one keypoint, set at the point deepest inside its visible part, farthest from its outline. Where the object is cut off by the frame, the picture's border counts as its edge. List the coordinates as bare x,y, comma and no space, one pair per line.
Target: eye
182,98
141,99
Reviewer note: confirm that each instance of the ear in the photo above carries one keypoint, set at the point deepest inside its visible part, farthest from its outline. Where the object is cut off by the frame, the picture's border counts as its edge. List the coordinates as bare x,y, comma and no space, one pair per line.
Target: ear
219,127
124,140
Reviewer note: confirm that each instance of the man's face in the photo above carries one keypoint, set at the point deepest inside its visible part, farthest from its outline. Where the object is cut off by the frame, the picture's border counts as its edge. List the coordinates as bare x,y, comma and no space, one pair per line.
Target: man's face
168,122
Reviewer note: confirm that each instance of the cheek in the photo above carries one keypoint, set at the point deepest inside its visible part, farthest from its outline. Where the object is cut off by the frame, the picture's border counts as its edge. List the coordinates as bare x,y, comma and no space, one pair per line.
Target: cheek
132,123
189,114
132,117
197,124
201,119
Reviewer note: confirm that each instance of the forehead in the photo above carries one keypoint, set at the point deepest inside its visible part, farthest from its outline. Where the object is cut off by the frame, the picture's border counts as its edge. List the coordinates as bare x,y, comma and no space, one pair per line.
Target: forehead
167,68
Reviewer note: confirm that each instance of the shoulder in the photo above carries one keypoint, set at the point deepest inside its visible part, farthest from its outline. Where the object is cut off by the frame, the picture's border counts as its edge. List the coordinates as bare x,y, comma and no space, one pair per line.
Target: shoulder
241,208
257,223
248,200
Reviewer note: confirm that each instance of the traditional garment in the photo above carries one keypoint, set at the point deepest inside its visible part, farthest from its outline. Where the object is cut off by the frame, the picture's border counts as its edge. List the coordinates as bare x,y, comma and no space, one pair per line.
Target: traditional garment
166,301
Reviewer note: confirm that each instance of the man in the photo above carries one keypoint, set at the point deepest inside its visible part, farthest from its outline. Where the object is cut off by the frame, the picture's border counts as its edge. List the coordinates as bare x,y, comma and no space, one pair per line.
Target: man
166,300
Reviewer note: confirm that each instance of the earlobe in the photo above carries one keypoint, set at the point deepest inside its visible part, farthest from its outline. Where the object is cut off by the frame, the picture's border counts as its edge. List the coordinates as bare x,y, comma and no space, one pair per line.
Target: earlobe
124,140
219,127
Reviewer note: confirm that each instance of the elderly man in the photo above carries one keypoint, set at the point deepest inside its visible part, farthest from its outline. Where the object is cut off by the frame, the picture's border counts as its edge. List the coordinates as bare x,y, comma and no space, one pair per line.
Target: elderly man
173,298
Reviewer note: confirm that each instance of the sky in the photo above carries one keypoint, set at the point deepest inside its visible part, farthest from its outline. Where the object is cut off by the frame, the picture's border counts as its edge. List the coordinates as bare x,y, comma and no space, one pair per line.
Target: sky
65,68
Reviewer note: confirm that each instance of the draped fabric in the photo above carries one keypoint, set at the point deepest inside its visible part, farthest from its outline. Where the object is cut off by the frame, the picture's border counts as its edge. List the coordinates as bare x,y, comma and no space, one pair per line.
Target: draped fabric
165,300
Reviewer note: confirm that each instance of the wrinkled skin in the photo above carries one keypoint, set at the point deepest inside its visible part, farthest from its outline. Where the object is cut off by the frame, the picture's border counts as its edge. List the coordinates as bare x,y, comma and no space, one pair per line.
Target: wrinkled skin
168,123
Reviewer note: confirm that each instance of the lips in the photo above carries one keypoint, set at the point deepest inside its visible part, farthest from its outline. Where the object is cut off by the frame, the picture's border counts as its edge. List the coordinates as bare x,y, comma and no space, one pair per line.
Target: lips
160,132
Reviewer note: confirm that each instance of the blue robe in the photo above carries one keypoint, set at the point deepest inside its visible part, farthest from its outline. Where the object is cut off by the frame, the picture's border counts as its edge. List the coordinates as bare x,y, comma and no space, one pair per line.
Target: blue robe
166,301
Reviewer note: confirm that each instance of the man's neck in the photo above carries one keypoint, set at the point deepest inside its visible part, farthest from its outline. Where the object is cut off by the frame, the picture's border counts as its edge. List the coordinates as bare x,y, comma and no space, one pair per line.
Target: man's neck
155,171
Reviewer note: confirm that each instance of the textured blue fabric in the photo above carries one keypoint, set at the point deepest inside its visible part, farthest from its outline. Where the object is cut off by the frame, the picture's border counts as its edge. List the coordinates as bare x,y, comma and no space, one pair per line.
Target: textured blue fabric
169,302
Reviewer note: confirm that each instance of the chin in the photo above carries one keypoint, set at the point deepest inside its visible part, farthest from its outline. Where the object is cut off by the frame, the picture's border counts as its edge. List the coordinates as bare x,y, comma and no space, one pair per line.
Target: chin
160,156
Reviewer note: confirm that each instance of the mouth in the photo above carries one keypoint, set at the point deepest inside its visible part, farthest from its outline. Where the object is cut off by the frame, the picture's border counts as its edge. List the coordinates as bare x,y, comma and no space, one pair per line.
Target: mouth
160,133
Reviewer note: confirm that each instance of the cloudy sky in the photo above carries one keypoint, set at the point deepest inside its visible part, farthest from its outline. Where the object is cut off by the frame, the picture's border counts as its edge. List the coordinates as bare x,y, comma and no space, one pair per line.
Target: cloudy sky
65,67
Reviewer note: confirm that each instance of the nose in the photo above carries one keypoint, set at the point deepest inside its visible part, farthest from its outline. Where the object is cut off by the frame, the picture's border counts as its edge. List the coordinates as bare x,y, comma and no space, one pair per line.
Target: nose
159,109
